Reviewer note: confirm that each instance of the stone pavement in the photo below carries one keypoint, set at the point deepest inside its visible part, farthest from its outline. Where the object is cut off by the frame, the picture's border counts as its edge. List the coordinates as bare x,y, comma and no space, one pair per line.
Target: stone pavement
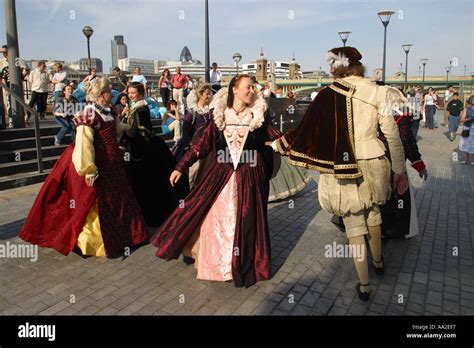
432,273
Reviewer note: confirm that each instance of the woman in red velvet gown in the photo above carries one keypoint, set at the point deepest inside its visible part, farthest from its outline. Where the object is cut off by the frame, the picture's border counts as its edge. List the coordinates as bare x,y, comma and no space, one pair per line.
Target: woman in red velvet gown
223,223
86,200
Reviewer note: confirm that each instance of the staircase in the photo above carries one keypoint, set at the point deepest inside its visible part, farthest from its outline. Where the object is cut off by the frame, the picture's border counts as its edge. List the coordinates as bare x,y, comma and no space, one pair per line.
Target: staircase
18,158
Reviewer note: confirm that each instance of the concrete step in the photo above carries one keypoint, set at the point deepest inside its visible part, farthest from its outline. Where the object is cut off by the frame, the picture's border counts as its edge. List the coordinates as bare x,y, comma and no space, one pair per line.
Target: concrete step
12,168
12,156
22,179
26,143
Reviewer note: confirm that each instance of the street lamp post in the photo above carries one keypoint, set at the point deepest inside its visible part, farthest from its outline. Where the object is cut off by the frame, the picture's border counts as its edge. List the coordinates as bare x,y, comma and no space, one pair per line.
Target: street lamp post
424,61
237,57
88,31
15,112
385,19
448,68
406,48
208,63
344,35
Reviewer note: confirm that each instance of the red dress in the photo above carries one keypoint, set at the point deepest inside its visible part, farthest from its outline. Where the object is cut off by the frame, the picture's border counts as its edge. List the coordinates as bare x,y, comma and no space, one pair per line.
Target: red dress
252,262
64,201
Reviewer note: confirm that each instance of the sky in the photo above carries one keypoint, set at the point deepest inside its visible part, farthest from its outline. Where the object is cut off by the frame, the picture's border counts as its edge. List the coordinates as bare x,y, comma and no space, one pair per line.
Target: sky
157,29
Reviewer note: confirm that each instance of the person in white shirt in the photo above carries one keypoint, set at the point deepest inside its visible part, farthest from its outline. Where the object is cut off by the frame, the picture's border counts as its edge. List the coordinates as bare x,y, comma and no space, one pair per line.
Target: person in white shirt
91,77
39,82
216,77
59,81
138,77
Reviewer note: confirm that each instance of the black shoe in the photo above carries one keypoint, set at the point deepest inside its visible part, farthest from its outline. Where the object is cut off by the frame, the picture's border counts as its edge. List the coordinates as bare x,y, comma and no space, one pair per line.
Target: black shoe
188,260
379,270
363,296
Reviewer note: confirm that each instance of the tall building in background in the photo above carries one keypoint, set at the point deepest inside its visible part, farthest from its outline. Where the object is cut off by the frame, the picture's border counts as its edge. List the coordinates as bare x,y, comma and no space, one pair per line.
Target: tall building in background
83,64
129,64
119,50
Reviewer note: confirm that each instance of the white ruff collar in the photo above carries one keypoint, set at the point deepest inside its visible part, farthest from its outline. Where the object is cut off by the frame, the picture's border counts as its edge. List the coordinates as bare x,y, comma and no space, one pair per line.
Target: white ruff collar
257,108
192,103
105,117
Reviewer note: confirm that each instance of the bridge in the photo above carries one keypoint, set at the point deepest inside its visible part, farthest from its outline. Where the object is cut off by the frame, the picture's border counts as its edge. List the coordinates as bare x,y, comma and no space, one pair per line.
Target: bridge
462,83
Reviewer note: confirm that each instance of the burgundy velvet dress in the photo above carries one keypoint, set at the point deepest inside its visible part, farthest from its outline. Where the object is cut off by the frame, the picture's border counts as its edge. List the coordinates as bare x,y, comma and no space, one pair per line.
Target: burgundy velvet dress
251,245
64,201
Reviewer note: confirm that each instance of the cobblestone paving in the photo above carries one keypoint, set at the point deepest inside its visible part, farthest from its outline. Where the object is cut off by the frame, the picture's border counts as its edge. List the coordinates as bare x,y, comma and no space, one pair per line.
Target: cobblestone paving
432,273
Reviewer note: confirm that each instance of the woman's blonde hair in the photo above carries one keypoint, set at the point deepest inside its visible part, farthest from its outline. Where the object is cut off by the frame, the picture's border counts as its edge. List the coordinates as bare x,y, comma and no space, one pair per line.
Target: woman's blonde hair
202,88
96,88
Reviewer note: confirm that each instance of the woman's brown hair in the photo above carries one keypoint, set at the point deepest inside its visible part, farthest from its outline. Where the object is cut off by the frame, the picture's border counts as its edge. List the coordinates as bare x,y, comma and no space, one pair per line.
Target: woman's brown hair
234,83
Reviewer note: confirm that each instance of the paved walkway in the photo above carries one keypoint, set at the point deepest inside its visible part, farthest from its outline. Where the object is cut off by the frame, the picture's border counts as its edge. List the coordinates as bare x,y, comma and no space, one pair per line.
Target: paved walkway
432,273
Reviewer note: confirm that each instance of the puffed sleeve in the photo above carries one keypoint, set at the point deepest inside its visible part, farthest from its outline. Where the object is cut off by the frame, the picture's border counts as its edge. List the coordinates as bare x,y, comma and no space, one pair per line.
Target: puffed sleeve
388,99
83,155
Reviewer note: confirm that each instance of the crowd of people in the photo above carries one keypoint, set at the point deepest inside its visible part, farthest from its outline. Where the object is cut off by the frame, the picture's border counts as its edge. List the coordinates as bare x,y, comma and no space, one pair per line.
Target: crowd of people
208,195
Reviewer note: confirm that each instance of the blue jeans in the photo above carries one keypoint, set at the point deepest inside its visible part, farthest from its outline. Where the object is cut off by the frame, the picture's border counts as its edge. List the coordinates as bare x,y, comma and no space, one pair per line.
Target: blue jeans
56,95
66,126
453,123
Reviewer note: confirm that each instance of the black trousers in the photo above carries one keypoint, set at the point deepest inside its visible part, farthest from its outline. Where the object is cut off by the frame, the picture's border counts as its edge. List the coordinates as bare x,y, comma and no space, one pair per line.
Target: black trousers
165,95
39,99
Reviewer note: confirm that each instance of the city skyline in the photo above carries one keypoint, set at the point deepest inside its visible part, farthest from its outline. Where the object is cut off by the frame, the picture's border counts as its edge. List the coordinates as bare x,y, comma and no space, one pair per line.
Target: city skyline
292,22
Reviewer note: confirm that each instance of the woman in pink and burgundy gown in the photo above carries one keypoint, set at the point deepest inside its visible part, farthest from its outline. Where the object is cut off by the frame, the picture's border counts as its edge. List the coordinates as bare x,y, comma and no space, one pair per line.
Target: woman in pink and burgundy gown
223,223
86,200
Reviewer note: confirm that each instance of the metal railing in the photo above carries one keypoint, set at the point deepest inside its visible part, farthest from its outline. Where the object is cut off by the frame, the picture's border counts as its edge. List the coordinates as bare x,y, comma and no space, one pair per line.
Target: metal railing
20,100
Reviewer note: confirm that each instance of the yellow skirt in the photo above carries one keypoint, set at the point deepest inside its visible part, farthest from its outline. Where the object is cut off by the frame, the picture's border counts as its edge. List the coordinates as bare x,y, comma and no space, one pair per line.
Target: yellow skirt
90,239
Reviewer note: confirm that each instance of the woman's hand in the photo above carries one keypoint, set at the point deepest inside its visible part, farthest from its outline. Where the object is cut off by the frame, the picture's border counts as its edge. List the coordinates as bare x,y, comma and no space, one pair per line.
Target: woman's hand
400,182
90,179
423,174
268,143
175,176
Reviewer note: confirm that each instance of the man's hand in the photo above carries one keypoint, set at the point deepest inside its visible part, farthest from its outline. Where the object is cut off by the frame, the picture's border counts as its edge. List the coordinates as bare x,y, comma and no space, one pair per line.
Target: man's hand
400,182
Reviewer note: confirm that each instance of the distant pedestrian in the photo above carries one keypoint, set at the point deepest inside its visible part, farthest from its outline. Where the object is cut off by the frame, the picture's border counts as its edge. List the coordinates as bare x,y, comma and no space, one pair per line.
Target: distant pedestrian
216,78
39,82
4,78
448,95
64,111
416,101
91,77
138,77
121,106
430,105
59,80
165,86
121,80
454,108
466,144
172,120
179,83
